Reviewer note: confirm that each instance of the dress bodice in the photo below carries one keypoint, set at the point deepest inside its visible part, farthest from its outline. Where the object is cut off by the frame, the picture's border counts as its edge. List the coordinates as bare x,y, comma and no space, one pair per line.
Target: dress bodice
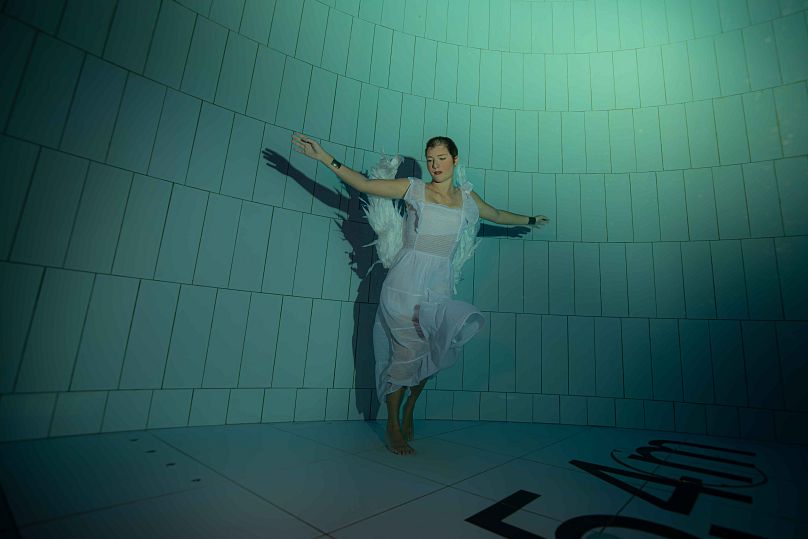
434,228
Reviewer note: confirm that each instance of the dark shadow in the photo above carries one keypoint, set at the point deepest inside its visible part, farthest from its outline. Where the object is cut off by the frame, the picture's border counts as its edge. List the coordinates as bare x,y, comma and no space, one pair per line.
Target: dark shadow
499,231
354,227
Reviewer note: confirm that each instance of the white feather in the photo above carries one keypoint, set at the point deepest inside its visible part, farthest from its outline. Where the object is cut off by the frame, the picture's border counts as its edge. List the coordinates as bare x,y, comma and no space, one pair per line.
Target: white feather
384,214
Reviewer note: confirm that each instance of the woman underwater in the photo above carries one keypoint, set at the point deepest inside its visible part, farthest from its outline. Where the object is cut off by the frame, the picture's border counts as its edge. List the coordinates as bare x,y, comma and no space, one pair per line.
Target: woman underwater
419,329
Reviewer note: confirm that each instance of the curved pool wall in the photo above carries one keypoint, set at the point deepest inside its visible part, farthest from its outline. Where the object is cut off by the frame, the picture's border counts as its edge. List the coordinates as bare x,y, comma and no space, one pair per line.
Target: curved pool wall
159,271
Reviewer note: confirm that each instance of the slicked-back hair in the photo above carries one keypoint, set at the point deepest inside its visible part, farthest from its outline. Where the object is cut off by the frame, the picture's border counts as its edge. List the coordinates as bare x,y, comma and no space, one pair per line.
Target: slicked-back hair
442,141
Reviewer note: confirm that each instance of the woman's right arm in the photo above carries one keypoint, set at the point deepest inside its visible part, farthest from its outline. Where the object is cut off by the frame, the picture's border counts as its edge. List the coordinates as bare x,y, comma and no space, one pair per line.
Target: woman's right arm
381,187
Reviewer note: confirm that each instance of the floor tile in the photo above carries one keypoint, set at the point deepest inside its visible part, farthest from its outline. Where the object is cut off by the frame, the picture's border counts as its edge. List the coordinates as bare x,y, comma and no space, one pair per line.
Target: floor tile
784,462
333,493
562,493
224,511
246,448
602,447
7,525
438,427
771,478
510,439
357,436
350,436
778,500
707,512
336,479
441,514
44,479
439,460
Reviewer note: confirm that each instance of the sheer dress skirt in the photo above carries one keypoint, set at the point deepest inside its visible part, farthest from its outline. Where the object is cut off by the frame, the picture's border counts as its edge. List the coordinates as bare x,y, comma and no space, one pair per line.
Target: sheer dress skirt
413,344
416,334
419,329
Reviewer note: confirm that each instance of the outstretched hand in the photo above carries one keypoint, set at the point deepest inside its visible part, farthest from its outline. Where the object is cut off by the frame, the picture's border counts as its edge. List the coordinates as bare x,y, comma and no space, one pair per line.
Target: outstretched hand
308,147
541,220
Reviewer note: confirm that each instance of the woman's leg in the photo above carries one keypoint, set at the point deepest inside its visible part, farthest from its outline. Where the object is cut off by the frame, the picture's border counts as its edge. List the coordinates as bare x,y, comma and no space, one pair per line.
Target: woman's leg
395,439
403,350
407,424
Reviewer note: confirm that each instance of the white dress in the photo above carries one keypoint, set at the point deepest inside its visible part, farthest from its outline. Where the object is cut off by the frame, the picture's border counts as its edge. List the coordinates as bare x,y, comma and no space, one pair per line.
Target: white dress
419,329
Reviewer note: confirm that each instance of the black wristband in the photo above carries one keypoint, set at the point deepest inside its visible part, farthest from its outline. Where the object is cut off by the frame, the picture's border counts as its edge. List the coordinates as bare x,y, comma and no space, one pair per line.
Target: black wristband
335,163
531,220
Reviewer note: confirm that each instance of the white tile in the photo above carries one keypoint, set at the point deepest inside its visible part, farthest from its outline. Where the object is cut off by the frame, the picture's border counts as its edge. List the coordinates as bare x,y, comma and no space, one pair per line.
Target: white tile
606,447
779,462
510,439
357,436
753,477
782,462
50,478
223,511
336,492
563,493
350,436
439,460
706,512
244,449
437,427
336,479
441,514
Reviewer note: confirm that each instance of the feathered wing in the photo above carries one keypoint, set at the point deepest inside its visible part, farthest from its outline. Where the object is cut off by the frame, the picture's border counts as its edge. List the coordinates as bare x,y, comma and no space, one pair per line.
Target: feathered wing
468,241
384,214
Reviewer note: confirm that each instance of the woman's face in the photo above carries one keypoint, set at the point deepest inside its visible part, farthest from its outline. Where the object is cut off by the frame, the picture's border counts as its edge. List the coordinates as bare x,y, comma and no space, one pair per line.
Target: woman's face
440,163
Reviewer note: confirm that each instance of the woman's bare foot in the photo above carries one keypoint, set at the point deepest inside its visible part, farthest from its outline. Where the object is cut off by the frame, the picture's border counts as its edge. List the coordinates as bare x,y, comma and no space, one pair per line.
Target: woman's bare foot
396,442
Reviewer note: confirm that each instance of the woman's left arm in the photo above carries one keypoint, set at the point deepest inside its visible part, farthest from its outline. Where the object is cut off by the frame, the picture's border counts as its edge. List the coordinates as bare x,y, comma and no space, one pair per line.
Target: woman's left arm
502,217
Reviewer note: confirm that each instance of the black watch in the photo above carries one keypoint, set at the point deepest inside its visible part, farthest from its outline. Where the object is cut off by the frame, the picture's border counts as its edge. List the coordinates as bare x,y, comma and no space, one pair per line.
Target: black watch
335,163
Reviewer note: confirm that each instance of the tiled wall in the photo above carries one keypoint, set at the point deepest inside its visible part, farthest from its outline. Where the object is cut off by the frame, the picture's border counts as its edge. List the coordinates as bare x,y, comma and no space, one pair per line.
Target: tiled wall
158,271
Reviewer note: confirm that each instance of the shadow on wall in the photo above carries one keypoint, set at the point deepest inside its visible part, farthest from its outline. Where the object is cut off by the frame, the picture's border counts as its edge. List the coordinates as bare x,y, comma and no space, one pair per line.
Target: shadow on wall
496,231
353,225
